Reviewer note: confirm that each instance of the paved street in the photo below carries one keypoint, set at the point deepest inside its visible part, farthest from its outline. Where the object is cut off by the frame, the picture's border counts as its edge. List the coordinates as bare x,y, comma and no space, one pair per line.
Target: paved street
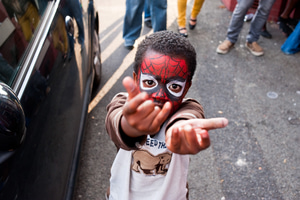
257,156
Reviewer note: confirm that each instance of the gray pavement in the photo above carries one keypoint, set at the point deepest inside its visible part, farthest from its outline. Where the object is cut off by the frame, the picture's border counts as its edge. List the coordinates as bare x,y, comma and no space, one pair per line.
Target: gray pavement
257,156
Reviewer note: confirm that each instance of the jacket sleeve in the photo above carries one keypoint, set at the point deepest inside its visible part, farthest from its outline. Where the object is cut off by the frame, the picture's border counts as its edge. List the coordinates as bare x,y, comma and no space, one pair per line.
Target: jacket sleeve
189,109
113,126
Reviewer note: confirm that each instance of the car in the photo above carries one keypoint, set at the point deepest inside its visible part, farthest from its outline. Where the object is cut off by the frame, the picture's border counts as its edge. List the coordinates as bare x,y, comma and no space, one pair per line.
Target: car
50,64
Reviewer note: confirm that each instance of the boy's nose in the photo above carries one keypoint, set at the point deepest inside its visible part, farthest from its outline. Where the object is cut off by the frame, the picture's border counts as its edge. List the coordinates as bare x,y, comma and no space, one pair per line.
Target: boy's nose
160,95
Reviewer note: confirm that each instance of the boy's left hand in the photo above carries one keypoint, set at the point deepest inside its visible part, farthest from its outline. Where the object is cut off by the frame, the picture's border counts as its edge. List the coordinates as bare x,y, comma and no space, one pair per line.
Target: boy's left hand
191,136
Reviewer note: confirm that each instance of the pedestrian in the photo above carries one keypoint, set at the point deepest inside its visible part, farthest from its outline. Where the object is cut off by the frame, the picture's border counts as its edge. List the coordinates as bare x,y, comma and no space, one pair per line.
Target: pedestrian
286,24
152,124
181,20
236,25
133,19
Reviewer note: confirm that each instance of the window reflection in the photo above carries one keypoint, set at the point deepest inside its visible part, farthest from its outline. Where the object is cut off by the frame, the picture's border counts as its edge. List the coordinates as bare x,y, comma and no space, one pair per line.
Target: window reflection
18,21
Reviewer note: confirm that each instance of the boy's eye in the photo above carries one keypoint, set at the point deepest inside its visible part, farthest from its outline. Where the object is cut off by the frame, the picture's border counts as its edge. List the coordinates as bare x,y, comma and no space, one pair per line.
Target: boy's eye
175,88
149,83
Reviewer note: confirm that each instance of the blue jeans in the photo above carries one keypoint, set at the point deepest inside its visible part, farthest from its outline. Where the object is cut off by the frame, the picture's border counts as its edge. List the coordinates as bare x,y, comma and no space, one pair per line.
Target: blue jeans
257,23
134,16
147,13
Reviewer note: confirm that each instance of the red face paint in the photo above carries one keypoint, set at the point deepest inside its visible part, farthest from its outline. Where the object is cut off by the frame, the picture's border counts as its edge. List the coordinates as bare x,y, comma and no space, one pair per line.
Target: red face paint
164,78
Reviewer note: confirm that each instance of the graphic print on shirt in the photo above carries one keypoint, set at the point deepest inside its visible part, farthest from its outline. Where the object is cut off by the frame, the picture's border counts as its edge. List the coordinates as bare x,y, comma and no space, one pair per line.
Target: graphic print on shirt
145,162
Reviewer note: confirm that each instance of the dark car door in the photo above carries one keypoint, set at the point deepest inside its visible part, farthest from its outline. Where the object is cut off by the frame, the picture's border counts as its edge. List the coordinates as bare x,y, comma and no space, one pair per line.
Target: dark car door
44,59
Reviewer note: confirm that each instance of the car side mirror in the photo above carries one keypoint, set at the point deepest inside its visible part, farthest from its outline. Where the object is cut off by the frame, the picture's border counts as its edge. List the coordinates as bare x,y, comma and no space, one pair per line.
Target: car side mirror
12,119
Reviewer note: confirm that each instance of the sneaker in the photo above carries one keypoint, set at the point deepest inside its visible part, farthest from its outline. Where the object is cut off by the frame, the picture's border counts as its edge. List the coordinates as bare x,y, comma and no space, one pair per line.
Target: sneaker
254,48
128,44
224,47
285,27
265,33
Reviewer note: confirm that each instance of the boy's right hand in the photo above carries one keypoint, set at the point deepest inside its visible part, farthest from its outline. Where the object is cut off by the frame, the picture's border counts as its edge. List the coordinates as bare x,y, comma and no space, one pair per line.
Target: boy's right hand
140,115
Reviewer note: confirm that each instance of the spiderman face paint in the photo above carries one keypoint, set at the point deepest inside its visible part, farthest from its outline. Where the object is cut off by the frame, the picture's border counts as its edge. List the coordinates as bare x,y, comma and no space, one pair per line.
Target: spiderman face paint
164,78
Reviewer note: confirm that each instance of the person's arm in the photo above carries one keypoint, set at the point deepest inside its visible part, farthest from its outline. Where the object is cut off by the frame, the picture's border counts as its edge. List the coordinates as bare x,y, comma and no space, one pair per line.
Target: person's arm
187,131
113,123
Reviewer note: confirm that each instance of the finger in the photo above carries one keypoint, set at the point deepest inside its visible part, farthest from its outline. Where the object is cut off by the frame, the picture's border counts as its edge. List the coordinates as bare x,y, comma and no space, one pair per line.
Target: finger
152,127
173,140
212,123
162,115
132,105
203,139
191,141
130,87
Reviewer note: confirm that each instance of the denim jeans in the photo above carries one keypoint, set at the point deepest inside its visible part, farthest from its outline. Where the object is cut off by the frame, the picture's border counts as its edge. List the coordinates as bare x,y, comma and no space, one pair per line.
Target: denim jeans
257,23
147,13
134,16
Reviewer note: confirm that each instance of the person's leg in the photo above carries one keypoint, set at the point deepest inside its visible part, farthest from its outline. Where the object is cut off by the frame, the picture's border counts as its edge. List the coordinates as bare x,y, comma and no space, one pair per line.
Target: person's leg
158,10
257,23
181,19
147,14
235,26
286,24
132,21
265,33
195,11
289,8
237,19
259,19
181,7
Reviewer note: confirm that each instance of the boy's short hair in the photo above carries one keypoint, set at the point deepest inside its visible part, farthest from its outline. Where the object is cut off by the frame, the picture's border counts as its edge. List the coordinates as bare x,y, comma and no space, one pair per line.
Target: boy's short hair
167,43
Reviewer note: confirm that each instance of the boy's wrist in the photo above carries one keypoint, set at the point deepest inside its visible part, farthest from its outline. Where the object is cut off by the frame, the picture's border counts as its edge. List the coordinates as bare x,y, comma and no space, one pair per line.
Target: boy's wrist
130,136
128,129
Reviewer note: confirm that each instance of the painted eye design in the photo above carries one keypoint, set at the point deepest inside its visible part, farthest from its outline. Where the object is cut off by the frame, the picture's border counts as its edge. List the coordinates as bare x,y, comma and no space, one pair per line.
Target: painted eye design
175,88
148,83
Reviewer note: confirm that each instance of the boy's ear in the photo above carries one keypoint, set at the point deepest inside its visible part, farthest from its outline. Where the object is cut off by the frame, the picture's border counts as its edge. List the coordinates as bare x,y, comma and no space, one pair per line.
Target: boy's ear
134,77
189,85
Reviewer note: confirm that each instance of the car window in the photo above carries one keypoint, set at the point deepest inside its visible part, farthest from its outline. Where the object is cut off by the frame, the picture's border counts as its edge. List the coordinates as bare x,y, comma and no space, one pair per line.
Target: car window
18,22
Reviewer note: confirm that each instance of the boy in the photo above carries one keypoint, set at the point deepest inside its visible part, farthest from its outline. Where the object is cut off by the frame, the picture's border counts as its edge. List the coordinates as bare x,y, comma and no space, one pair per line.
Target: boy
153,126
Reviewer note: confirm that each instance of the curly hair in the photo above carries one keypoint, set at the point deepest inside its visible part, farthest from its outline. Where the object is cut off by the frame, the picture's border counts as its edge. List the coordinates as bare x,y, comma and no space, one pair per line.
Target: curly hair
167,43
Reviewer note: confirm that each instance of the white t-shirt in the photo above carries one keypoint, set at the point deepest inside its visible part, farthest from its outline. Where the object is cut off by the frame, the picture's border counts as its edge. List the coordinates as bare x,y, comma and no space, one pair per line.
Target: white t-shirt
150,173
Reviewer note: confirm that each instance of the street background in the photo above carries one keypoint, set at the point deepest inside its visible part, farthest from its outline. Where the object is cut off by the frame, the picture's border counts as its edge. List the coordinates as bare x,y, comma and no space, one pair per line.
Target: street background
257,156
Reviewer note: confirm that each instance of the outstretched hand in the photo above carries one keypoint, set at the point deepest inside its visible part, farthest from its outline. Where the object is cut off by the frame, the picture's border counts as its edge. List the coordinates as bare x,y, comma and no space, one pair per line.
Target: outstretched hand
191,136
140,115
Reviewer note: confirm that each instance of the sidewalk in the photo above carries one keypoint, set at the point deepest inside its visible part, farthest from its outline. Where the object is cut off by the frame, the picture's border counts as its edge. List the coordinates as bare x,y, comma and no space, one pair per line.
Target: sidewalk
257,155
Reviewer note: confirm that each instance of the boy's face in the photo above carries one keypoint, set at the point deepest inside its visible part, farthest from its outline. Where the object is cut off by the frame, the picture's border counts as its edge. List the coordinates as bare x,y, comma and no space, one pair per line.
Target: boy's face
164,78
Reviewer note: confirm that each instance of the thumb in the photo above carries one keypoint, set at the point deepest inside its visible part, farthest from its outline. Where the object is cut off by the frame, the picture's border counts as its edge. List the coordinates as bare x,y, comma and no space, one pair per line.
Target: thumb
130,87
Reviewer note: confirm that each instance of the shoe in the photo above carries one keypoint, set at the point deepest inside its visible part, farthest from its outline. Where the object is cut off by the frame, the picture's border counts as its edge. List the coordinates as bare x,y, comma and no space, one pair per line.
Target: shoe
130,47
192,26
128,44
183,32
224,47
265,33
148,22
254,48
289,21
284,26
